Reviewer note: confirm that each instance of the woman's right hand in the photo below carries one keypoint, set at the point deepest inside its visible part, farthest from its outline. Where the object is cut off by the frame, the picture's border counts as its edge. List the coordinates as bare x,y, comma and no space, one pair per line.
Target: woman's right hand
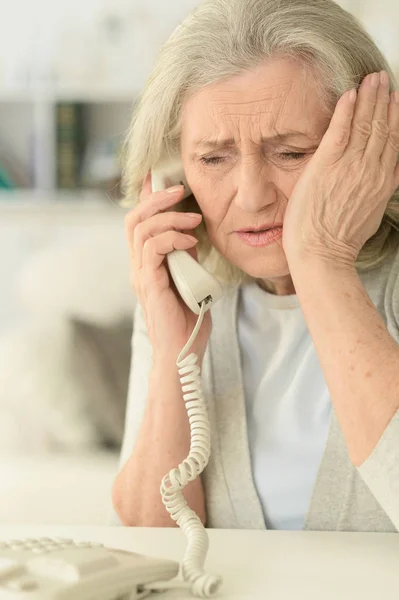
151,235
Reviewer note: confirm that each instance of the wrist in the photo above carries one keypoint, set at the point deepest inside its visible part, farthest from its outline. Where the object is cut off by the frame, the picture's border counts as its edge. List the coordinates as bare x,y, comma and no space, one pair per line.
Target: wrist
305,262
167,361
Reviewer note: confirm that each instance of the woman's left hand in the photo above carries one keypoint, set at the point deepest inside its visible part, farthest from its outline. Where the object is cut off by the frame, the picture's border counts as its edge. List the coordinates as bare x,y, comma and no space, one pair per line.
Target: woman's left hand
340,199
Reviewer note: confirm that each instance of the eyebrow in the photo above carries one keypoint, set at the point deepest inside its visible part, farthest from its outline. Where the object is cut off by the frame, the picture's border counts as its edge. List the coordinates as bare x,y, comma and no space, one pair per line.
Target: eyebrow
229,142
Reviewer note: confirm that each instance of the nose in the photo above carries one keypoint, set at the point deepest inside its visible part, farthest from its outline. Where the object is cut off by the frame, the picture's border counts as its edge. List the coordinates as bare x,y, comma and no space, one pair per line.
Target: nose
255,188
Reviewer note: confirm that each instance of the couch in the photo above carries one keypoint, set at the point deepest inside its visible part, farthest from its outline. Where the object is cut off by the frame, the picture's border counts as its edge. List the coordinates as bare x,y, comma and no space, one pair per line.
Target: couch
64,370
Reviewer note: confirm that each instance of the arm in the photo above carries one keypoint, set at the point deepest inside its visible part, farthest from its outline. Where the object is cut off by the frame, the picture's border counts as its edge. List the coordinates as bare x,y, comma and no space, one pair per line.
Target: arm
360,362
157,439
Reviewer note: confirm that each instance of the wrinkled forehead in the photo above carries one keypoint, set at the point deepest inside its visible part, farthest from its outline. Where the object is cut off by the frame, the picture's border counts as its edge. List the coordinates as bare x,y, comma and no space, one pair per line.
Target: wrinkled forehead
274,97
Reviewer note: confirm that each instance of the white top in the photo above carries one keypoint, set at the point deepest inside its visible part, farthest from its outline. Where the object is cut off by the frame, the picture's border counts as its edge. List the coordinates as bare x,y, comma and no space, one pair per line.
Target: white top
345,497
287,404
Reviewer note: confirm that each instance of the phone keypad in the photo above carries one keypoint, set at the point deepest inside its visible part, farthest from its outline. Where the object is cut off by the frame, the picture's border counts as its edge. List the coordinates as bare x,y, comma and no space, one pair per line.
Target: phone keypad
45,545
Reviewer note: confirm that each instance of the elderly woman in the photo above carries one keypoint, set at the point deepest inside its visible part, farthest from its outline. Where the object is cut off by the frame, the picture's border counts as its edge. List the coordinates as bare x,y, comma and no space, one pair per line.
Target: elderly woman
285,117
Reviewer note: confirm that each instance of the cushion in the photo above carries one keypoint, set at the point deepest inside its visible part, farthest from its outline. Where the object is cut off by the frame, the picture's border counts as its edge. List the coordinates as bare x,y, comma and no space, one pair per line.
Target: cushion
63,385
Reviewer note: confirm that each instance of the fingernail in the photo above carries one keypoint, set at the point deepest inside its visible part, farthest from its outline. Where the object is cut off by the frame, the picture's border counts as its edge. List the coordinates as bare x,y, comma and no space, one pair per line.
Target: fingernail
396,97
384,78
193,215
175,188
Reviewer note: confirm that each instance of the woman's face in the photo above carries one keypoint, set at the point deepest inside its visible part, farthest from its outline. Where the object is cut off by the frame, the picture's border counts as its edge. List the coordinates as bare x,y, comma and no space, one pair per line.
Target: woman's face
244,144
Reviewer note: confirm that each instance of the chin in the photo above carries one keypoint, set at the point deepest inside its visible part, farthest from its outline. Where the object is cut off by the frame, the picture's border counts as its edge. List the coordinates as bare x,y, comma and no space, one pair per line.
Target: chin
262,267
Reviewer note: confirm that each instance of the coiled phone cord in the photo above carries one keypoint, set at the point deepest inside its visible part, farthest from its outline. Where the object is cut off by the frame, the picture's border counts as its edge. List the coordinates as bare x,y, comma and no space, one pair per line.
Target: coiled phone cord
203,585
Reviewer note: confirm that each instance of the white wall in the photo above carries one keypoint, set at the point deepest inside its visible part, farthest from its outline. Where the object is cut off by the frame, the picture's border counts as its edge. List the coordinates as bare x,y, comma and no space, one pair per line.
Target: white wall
44,36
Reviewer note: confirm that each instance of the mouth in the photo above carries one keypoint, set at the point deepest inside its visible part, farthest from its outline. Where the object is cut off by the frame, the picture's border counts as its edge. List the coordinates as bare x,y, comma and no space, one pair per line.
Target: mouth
258,238
261,229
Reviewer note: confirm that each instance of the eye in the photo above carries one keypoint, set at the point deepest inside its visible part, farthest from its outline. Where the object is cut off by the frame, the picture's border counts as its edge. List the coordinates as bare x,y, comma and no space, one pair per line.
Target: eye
292,155
212,160
216,160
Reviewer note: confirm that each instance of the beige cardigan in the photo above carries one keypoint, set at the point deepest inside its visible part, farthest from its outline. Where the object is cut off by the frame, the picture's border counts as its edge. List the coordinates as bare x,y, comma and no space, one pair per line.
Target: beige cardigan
344,498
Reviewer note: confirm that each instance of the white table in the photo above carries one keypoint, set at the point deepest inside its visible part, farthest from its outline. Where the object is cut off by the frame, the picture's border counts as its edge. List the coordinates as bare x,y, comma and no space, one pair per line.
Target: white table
262,565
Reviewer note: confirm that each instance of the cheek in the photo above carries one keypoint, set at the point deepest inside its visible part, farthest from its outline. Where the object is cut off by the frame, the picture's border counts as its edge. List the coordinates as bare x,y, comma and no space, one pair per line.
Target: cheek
285,179
214,206
289,184
212,198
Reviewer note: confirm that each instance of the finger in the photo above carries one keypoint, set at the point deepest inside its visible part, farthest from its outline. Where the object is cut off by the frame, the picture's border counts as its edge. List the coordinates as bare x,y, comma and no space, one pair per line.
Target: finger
156,248
390,153
364,111
379,124
337,136
159,224
157,202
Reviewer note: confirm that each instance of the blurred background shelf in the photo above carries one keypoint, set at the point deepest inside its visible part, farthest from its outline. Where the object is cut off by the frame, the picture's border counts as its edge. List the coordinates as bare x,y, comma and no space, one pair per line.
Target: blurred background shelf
70,75
69,139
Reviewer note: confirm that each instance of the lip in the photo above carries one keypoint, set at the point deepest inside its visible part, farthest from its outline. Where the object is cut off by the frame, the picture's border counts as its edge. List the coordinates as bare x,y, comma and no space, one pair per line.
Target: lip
261,228
260,239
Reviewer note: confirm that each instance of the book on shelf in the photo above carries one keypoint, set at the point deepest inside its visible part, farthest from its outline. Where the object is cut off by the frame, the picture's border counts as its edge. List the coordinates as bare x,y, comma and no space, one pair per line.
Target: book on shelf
70,132
84,161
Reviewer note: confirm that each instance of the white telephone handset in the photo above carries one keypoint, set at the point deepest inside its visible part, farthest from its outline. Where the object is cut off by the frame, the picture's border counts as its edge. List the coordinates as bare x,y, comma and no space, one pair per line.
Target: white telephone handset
193,282
199,290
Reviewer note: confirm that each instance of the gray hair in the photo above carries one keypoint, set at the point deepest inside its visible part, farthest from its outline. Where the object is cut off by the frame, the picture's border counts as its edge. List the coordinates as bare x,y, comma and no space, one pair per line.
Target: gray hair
222,38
